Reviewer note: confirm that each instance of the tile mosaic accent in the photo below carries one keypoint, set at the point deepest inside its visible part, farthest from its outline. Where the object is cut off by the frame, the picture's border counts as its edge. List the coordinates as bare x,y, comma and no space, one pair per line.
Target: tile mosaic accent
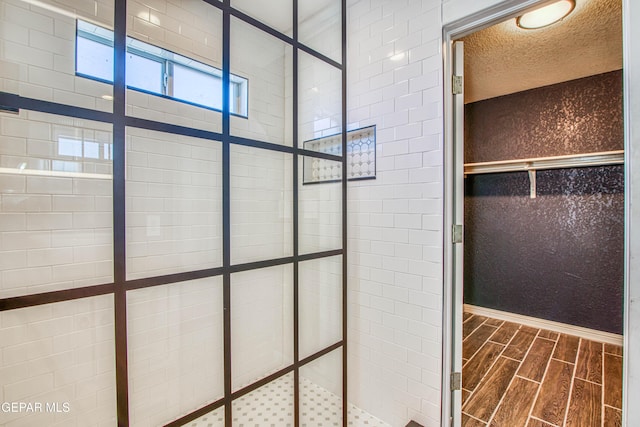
268,406
361,156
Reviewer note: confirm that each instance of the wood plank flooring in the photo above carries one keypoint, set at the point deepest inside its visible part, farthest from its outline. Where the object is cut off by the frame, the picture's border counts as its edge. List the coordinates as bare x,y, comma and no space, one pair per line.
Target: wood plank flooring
517,376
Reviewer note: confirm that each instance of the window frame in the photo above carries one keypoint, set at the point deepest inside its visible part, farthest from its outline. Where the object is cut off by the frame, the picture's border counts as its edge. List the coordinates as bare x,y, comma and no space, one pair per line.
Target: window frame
239,85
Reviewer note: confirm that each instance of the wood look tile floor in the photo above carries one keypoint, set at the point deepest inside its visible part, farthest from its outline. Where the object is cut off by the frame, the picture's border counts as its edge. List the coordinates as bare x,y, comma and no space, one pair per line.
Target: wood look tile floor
517,376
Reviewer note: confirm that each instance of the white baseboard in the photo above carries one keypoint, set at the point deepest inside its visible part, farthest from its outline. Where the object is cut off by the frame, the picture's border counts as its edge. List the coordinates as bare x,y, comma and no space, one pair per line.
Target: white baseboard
590,334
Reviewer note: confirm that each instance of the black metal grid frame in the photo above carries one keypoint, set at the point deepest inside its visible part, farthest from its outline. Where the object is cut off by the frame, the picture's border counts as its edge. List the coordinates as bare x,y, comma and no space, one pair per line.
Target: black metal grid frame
120,121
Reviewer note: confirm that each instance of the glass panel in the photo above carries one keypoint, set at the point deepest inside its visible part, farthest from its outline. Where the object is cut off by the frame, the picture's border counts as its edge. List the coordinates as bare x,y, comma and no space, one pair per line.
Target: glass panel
276,13
180,31
59,358
175,349
261,323
197,87
56,211
174,203
145,74
321,391
320,304
94,59
261,204
267,64
270,405
38,55
320,205
320,104
320,26
212,419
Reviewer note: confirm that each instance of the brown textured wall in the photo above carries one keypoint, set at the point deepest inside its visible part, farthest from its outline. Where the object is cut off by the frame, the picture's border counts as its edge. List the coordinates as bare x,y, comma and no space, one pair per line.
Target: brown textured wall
558,256
579,116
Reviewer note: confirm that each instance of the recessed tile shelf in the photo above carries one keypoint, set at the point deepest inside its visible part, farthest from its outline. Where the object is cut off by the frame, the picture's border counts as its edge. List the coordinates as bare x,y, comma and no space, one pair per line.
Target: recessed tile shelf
361,157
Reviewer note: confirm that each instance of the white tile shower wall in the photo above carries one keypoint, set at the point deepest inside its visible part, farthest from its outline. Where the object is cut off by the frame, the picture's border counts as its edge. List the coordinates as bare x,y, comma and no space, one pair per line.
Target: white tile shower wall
320,216
267,62
320,27
175,343
37,51
261,323
261,204
174,203
320,98
61,357
395,222
55,217
320,304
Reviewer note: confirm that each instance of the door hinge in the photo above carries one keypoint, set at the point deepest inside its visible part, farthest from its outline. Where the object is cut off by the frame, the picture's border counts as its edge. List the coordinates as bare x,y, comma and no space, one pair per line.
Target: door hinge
457,233
456,85
456,381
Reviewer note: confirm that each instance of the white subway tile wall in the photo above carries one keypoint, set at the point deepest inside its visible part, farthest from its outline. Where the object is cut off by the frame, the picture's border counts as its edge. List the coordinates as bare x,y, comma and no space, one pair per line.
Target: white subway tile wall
37,58
319,214
320,98
268,64
320,303
261,204
262,323
59,356
174,203
175,349
395,221
55,188
320,27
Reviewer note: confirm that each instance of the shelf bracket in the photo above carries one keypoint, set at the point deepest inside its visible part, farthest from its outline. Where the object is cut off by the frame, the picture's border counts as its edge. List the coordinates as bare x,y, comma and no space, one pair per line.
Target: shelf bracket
532,183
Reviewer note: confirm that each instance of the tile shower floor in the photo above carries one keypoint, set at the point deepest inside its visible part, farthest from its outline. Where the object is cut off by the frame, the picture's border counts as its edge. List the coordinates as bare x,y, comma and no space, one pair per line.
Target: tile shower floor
272,406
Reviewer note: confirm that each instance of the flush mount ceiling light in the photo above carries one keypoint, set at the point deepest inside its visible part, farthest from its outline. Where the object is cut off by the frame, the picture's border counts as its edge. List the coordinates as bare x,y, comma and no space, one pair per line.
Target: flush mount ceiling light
546,15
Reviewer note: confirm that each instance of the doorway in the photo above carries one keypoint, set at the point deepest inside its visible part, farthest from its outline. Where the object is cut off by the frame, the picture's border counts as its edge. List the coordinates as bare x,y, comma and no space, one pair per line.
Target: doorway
480,181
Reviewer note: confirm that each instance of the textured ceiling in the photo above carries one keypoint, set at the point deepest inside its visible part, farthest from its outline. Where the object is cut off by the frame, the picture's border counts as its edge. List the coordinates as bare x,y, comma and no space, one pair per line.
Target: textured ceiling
504,59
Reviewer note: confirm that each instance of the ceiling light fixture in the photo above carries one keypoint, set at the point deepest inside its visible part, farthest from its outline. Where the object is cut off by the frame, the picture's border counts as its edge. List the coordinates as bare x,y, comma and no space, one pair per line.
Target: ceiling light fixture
546,15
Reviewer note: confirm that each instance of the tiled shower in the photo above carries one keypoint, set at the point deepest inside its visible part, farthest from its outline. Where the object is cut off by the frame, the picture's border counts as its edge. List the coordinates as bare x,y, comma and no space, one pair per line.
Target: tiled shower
162,259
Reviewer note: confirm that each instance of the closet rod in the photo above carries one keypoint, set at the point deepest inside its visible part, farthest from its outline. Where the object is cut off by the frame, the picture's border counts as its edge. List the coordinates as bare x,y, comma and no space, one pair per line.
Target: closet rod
557,162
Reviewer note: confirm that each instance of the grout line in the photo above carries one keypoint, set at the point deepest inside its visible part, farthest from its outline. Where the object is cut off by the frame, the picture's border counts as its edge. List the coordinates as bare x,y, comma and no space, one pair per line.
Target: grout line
477,419
544,375
573,377
563,361
543,421
529,379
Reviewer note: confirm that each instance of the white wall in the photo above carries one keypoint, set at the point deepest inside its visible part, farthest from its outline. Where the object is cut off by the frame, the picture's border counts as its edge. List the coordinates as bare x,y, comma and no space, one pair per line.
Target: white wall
60,354
56,220
175,350
395,222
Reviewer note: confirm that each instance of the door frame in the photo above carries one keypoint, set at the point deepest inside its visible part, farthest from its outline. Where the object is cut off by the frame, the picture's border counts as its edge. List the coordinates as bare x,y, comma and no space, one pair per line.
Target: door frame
453,282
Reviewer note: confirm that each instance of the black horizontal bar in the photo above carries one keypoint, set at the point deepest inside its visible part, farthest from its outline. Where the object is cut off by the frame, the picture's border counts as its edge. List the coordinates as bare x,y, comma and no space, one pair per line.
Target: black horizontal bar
261,25
148,282
260,264
320,155
173,129
261,382
196,414
318,255
33,300
14,101
320,56
321,353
